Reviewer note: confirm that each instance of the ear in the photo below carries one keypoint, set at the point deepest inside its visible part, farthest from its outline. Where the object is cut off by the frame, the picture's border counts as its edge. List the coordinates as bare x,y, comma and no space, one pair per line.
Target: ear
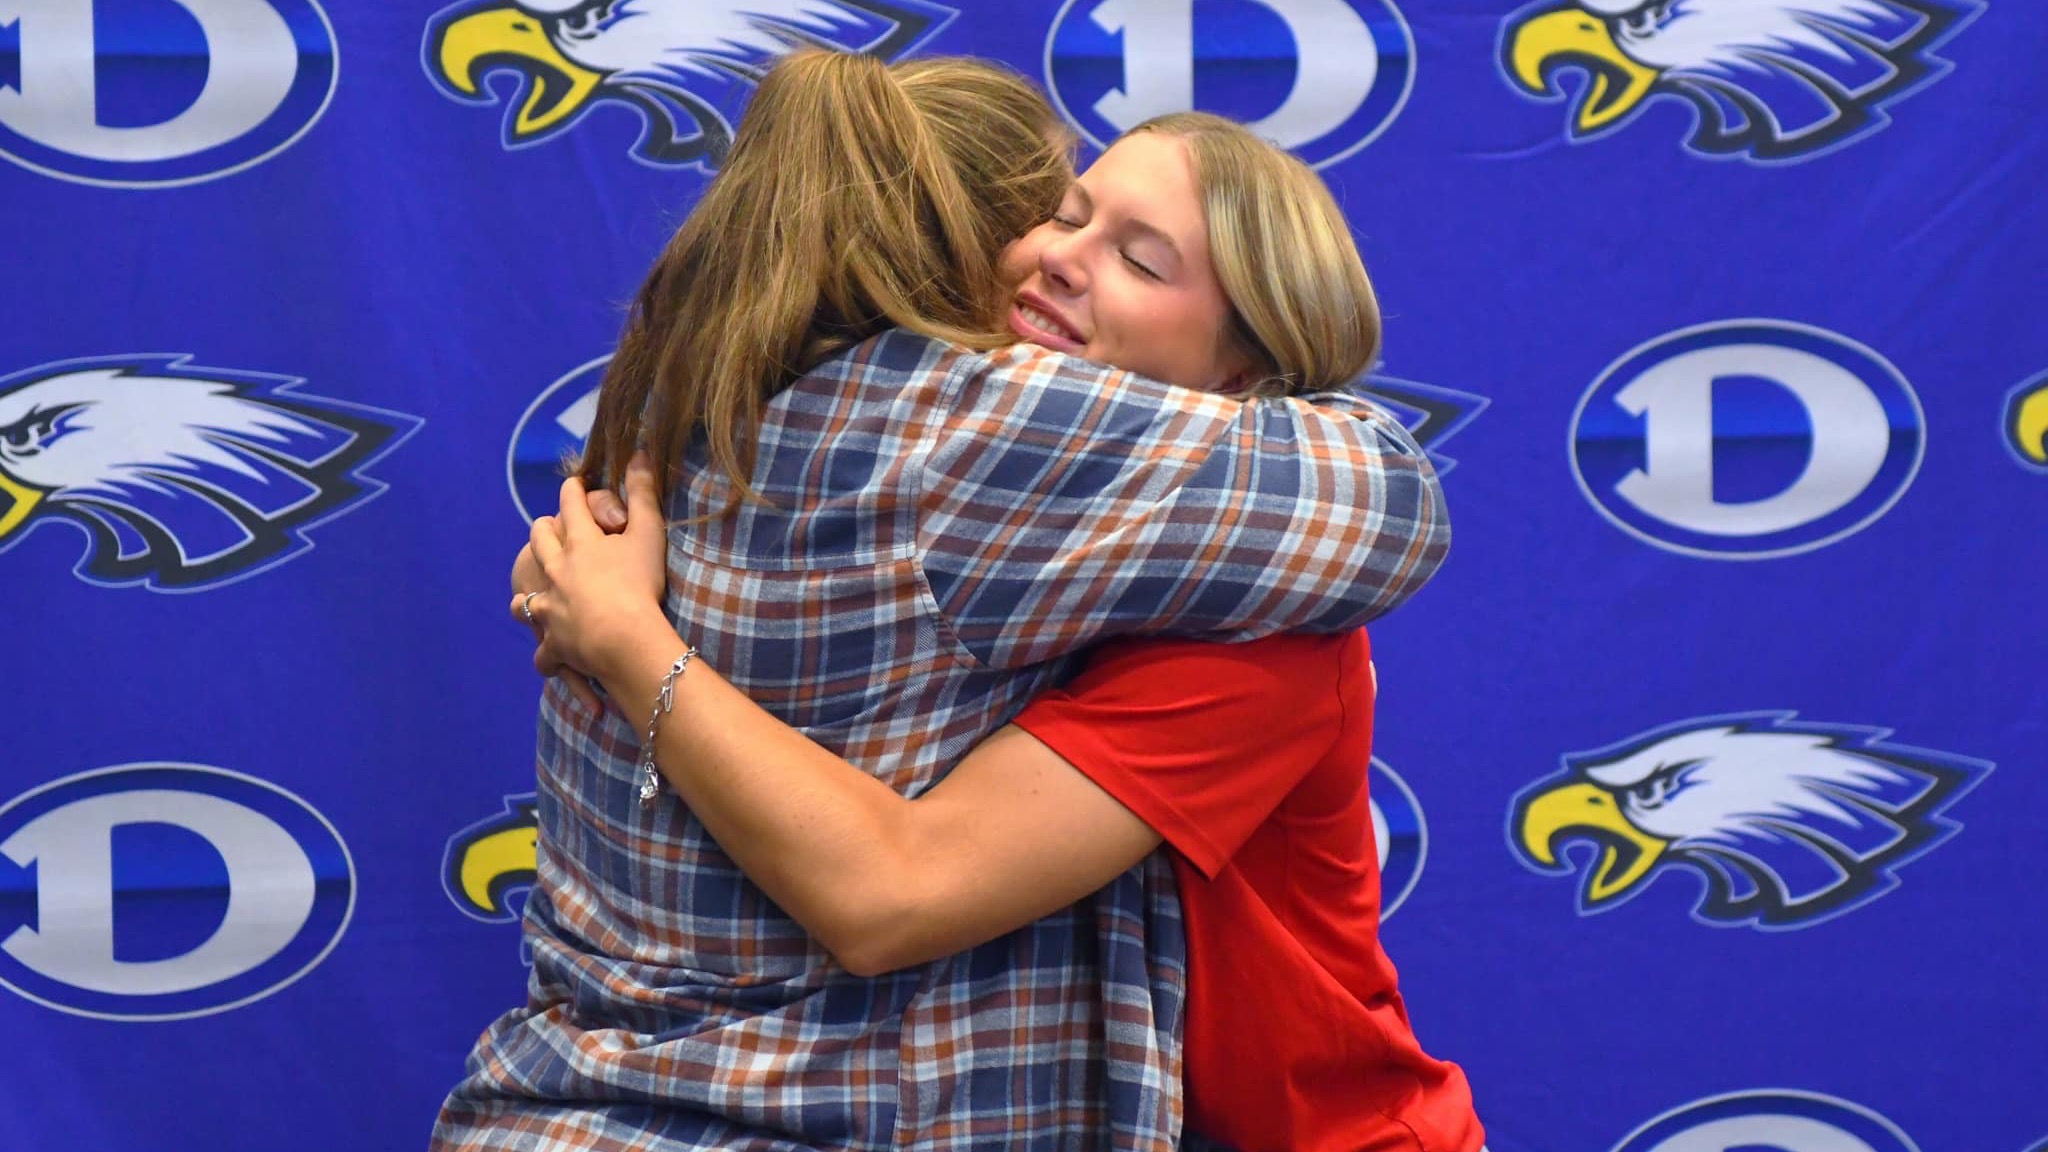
1240,373
1234,384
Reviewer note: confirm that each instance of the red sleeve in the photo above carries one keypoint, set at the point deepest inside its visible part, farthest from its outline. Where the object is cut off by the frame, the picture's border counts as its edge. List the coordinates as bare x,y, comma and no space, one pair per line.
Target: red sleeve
1202,740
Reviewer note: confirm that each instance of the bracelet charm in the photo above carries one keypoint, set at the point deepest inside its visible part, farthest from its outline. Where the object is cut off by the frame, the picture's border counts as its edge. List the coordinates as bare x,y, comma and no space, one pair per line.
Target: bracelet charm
664,701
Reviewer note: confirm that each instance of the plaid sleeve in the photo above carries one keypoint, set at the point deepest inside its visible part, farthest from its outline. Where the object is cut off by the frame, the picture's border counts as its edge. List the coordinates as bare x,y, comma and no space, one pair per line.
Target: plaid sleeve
1063,503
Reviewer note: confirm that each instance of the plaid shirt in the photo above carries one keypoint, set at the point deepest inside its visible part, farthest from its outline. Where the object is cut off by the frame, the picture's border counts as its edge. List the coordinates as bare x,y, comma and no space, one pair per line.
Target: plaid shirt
945,530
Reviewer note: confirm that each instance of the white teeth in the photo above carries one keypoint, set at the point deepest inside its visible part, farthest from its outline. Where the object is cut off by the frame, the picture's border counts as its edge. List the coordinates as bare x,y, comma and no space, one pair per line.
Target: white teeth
1037,319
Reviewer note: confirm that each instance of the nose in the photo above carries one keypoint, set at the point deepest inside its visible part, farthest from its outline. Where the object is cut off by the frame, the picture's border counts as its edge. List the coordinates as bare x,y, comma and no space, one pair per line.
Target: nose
1062,260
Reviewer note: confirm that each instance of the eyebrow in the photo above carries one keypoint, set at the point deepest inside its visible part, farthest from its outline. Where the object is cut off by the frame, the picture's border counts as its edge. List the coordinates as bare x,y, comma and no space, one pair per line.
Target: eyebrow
1139,226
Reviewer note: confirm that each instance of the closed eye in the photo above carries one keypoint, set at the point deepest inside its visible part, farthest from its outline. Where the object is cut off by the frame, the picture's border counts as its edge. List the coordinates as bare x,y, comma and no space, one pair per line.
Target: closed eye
1143,270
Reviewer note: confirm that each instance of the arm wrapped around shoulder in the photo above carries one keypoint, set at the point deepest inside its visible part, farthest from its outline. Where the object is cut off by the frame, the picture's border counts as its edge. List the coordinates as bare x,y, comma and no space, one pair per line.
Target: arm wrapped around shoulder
1064,503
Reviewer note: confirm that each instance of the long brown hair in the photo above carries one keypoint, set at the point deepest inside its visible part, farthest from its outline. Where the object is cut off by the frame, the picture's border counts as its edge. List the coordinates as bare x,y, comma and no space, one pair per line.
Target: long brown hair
1302,308
857,197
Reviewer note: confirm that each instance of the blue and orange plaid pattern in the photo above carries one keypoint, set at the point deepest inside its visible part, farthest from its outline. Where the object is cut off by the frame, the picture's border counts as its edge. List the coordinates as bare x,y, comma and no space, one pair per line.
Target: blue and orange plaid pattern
945,530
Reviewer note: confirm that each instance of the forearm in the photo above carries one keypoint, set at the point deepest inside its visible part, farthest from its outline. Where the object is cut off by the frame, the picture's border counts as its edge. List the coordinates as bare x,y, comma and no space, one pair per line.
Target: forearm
1128,507
840,851
834,847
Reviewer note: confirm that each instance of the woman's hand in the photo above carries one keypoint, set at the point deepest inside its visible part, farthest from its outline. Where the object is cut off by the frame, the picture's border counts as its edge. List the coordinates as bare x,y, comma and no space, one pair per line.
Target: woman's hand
527,585
527,579
599,594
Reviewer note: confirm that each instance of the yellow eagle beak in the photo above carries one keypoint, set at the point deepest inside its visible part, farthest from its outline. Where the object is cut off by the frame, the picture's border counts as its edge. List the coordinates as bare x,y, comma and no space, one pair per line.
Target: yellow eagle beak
1571,36
2029,426
487,863
472,44
1588,810
21,500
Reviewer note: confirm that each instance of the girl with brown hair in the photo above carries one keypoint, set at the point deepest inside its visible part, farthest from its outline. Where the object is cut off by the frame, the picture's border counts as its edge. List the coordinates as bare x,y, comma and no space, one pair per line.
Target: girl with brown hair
905,540
1215,260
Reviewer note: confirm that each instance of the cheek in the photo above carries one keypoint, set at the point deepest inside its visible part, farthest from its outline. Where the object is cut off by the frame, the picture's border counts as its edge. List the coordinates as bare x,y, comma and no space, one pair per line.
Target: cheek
1020,259
1170,321
1172,336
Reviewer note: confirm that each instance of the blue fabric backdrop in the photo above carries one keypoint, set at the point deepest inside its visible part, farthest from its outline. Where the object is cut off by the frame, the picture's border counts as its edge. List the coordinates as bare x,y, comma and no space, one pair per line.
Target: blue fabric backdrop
1709,769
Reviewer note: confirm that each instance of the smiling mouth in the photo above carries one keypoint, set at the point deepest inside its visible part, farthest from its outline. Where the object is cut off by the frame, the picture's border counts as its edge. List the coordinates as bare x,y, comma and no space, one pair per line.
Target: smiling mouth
1045,324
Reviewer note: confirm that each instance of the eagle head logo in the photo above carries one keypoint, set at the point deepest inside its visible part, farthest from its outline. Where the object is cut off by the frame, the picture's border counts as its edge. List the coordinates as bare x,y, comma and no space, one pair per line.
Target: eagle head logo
489,867
490,861
181,477
685,65
1769,80
1787,823
2026,423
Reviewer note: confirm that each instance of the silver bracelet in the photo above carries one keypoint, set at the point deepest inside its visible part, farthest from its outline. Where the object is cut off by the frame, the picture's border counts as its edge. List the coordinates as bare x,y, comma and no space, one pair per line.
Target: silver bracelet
664,701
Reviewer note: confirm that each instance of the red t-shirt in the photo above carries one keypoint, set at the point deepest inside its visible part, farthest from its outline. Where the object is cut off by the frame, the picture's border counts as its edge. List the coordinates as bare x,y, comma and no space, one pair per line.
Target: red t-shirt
1250,760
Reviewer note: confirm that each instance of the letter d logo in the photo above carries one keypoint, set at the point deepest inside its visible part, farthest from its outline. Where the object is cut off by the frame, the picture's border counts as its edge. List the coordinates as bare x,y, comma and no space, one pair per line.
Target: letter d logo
165,891
175,92
1320,77
1747,439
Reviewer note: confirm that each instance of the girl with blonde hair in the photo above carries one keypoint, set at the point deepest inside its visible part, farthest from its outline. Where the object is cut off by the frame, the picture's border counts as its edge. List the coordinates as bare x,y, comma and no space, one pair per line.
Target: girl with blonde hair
892,534
1199,254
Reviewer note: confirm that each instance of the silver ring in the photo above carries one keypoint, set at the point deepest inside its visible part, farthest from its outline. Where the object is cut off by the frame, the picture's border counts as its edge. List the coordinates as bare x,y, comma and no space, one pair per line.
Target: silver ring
526,608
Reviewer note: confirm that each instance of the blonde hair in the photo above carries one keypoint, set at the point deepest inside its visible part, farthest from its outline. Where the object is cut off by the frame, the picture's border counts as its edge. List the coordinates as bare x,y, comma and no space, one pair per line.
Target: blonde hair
1302,309
857,197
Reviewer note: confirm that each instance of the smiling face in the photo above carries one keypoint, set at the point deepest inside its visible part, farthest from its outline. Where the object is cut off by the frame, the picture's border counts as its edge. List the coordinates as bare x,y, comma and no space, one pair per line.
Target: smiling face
1121,275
